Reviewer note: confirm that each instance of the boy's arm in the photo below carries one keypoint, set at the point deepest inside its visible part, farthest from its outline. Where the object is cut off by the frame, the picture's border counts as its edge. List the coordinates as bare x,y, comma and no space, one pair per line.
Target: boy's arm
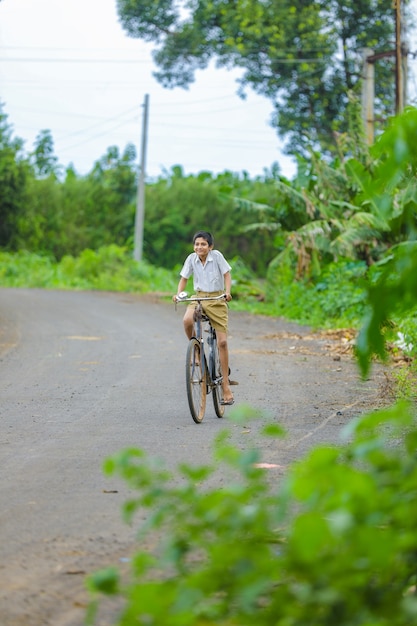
228,285
182,284
181,287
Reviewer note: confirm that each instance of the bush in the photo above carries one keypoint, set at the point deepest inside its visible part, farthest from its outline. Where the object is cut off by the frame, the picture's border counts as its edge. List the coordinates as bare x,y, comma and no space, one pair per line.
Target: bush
111,268
336,298
333,543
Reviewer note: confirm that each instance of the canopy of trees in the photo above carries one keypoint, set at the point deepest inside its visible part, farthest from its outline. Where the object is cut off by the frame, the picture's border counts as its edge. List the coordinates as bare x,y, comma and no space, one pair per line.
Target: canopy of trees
55,212
305,56
318,218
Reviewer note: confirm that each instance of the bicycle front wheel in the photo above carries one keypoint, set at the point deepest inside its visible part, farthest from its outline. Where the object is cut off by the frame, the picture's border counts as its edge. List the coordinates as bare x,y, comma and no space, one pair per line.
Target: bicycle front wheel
196,380
217,378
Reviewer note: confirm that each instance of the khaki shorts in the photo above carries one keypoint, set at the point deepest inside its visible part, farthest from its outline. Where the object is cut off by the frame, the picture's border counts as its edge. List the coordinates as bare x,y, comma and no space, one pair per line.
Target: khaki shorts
217,310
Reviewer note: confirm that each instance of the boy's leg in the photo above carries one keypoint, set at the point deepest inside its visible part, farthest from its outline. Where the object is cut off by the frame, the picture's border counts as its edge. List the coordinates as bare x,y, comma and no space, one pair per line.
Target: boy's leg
224,361
188,321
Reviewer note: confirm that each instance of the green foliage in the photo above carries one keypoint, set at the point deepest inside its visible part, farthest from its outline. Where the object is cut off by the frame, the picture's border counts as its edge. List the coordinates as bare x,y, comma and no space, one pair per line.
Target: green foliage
110,268
333,542
178,205
393,282
404,381
111,198
391,292
363,209
106,581
247,288
336,298
57,215
14,173
303,56
42,226
45,162
26,270
60,217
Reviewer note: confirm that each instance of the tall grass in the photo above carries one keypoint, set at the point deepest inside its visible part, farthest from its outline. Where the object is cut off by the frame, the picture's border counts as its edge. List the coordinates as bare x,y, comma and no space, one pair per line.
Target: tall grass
111,268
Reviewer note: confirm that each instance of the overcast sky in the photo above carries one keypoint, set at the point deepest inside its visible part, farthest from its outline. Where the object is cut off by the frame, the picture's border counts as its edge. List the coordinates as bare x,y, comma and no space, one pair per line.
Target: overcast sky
67,66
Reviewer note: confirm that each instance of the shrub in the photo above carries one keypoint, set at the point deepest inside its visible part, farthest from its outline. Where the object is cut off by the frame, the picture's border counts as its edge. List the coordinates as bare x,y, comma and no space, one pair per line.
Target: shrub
335,298
111,268
333,543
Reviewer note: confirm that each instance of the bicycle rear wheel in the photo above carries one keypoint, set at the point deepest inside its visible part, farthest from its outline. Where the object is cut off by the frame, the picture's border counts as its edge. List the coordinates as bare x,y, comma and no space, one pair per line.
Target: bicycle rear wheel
217,378
196,384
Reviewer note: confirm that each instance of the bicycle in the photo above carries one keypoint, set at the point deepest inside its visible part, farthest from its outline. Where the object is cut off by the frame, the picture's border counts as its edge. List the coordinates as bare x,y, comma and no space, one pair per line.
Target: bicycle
203,374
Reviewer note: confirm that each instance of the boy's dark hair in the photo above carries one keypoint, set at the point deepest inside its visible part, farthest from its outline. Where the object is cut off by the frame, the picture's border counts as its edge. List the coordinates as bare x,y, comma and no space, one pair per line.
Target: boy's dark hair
205,235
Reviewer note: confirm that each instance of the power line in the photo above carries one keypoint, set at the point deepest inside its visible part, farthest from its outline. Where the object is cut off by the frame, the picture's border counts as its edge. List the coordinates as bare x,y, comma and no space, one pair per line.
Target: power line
48,60
107,49
135,61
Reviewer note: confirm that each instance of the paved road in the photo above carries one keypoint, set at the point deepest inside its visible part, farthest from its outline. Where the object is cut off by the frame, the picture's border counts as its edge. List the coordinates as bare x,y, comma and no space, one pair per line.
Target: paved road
83,375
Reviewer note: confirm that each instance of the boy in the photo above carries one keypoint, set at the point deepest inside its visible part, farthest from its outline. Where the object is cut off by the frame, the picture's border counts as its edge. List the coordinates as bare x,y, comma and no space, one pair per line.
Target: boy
211,274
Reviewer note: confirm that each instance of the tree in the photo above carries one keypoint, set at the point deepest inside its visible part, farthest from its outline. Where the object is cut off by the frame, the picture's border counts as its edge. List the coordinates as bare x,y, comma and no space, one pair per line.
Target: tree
111,197
304,56
44,160
179,205
14,175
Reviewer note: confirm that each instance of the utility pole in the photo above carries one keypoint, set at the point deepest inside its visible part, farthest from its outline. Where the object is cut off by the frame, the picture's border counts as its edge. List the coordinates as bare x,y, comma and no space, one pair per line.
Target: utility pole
369,58
140,206
399,87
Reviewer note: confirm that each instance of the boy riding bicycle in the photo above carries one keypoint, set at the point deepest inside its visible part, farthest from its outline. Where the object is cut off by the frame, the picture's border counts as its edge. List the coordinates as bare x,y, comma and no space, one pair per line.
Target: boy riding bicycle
211,274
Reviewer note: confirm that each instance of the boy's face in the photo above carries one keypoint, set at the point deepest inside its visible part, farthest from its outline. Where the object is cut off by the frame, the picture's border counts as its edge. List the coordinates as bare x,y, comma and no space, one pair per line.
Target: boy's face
202,248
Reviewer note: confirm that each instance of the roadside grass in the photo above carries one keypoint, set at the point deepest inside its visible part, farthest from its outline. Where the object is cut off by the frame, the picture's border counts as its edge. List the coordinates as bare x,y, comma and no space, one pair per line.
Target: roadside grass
112,268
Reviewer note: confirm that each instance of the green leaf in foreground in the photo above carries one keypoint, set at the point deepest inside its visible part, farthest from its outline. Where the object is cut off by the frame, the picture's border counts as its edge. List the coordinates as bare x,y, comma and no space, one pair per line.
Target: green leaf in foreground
331,542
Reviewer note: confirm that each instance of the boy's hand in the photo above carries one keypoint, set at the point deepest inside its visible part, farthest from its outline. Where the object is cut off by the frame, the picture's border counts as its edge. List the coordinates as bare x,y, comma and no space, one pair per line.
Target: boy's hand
228,296
180,296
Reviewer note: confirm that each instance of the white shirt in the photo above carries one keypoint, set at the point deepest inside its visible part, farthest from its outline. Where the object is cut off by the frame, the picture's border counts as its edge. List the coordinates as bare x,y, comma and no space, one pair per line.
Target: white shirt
210,276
